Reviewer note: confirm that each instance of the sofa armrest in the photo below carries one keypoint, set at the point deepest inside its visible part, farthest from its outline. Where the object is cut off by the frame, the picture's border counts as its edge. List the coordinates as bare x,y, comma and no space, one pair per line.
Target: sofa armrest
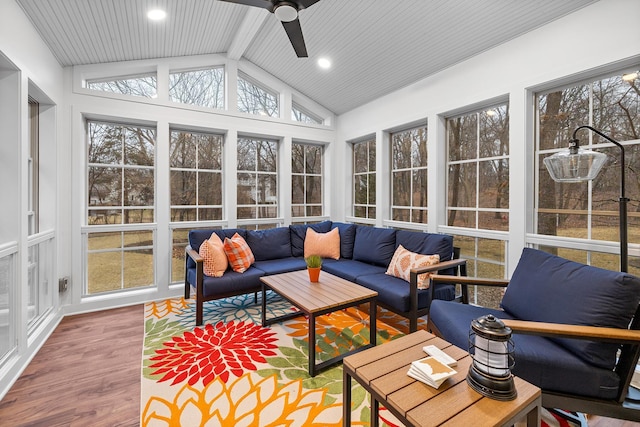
465,281
444,265
558,330
194,255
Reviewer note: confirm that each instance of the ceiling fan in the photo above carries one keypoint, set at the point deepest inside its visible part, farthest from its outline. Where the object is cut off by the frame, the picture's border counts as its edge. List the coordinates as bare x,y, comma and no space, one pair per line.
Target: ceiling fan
287,12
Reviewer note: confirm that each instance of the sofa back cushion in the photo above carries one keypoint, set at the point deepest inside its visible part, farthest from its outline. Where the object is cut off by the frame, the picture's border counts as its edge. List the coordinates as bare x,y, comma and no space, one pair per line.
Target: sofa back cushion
374,245
299,231
426,243
347,238
547,288
272,243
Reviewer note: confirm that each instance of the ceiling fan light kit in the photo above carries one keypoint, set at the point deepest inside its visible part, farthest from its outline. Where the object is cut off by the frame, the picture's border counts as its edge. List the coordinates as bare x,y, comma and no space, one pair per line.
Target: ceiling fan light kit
286,12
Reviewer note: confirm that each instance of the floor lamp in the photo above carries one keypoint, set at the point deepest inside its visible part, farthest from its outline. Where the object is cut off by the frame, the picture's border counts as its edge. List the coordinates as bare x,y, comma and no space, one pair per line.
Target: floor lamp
577,165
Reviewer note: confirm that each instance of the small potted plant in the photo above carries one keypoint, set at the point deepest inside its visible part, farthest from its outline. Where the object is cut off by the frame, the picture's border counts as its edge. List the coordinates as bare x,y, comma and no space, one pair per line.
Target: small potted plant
314,263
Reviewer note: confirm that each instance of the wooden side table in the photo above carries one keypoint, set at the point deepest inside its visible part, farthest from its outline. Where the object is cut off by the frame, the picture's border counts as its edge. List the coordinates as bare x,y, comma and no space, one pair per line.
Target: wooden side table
382,371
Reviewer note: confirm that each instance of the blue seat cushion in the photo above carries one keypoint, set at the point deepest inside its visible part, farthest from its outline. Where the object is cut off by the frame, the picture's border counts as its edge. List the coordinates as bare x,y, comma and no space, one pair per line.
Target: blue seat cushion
299,231
272,243
548,288
395,292
538,360
349,269
196,237
231,283
374,245
347,238
283,265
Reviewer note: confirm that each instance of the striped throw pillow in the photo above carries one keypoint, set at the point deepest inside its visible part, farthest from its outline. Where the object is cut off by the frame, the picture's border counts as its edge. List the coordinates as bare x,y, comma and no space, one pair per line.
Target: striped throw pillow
238,253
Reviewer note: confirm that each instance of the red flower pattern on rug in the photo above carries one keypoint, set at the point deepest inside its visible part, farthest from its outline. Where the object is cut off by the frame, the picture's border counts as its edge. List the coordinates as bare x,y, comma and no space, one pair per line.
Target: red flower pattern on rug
220,350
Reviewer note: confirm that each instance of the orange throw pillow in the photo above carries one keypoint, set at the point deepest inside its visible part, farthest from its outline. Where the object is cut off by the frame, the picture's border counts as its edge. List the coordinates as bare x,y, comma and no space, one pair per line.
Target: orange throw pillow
238,253
403,261
215,259
327,245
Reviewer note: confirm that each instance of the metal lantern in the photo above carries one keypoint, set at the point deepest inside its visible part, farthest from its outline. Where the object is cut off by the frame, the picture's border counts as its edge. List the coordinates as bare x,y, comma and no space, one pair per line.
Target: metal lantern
492,350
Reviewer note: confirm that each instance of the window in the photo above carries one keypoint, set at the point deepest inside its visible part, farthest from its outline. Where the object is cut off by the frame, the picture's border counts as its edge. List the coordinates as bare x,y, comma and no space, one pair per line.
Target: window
478,163
364,179
257,178
255,99
204,88
120,195
306,180
141,85
409,175
34,167
196,176
299,114
589,210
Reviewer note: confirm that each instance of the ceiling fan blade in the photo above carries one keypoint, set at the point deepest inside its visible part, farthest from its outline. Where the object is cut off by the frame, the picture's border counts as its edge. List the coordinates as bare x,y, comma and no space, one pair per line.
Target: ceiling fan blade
294,31
303,4
263,4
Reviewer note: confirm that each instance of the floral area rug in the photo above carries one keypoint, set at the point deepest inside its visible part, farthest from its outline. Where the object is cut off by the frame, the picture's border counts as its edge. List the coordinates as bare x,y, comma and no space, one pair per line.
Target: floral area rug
233,372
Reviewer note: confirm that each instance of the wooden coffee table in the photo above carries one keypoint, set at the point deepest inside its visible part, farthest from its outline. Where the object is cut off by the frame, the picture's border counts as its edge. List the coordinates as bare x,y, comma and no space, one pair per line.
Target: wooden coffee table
382,371
330,294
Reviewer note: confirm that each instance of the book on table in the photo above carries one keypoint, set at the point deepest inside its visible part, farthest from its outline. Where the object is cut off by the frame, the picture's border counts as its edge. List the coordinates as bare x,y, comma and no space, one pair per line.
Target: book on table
431,371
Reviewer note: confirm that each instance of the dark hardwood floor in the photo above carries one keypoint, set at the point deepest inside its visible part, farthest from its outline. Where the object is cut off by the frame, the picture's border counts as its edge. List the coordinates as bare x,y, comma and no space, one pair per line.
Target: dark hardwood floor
88,374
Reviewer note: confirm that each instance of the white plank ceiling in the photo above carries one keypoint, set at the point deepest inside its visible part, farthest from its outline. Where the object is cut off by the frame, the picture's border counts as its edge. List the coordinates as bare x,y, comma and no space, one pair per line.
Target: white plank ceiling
376,46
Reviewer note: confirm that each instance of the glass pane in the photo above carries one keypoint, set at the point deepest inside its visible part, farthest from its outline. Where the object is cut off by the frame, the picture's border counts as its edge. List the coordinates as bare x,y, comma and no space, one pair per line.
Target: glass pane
7,329
360,189
182,150
180,239
401,188
254,99
105,186
616,108
135,216
105,144
560,224
419,147
208,192
360,159
360,211
210,152
138,187
494,132
267,212
181,214
372,155
143,85
313,159
419,188
246,188
560,113
372,189
461,218
104,272
462,185
209,214
297,158
267,189
183,188
314,189
298,210
493,221
297,189
494,184
314,210
267,156
401,214
401,150
104,216
204,88
247,154
462,137
419,216
138,268
139,146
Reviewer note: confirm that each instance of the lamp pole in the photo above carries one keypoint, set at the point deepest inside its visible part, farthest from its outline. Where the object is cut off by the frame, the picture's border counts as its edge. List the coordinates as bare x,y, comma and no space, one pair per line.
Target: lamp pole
624,247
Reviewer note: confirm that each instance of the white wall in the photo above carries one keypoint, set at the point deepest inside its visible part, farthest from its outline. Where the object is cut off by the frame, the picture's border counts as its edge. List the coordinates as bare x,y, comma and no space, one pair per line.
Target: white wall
603,36
29,68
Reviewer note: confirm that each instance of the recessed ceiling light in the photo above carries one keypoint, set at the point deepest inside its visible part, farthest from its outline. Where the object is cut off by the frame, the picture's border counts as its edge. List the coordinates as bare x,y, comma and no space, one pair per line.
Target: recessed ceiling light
324,63
156,14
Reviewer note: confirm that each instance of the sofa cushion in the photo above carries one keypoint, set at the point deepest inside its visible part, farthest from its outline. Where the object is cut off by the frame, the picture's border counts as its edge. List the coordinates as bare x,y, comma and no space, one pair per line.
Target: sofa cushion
326,245
272,243
239,253
347,238
426,243
282,265
215,261
349,269
537,359
547,288
394,292
374,245
403,261
299,231
232,283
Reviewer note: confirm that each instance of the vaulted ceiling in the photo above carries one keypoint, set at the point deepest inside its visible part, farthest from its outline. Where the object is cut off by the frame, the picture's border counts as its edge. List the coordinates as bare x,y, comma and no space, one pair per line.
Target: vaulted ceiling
376,46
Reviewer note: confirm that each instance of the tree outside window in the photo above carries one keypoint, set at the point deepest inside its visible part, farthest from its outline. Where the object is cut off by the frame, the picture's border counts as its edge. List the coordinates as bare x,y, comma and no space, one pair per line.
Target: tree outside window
306,180
257,178
409,175
364,179
255,99
589,210
204,88
144,85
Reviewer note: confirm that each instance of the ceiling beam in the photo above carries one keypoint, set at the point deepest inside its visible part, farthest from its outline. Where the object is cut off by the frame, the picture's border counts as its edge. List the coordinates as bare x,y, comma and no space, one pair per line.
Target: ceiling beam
253,20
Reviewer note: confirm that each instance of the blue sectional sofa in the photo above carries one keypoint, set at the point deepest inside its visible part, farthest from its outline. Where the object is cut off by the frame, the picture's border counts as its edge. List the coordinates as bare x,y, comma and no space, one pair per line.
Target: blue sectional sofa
365,253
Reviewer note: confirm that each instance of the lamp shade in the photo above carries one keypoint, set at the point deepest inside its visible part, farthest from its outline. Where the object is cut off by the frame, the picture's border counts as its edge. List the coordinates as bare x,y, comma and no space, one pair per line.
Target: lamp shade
575,165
